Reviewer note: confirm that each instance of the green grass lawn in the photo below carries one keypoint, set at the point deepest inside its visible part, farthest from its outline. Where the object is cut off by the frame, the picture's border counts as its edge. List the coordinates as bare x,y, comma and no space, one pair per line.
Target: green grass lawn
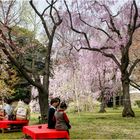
94,125
108,125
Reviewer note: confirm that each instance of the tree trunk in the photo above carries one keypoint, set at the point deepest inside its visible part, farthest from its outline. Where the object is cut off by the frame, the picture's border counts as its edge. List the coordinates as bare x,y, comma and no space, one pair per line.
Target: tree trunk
127,111
120,99
44,92
102,107
43,102
114,100
103,104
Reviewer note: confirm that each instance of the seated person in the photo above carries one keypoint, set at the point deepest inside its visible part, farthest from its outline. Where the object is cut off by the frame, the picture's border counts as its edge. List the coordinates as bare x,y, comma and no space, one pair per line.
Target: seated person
53,105
2,111
22,111
62,120
8,109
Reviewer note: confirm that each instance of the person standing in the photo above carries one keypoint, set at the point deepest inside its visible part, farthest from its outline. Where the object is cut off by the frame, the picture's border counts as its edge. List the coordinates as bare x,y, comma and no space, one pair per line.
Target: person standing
53,105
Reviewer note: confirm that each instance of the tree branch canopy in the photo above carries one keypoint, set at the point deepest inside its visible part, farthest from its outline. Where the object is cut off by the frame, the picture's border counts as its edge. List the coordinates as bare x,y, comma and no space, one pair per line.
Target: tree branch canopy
42,19
133,66
12,59
75,30
100,50
135,85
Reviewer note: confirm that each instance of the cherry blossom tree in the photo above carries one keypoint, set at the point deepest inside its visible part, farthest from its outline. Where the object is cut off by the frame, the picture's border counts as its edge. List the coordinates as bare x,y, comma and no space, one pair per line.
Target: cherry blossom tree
113,28
76,77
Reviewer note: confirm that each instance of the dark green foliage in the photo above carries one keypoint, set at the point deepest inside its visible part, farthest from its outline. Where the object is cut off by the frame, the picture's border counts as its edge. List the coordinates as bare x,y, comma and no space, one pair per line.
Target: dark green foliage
20,93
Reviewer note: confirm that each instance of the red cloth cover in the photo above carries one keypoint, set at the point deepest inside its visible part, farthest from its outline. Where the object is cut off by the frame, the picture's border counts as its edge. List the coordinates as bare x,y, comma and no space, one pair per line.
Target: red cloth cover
6,123
42,132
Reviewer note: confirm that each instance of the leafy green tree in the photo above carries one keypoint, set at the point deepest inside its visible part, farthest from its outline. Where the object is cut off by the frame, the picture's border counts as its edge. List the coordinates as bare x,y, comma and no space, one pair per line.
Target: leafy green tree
25,53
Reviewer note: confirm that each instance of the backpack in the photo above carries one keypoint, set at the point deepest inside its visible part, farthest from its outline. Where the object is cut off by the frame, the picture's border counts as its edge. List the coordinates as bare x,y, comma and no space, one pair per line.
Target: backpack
21,113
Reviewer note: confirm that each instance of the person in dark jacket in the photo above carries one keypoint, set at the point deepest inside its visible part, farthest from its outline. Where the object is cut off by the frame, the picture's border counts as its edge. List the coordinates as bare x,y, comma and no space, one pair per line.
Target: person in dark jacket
53,105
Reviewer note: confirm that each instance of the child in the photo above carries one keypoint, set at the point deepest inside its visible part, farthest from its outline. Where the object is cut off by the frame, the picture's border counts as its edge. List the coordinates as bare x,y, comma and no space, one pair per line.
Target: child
62,121
54,104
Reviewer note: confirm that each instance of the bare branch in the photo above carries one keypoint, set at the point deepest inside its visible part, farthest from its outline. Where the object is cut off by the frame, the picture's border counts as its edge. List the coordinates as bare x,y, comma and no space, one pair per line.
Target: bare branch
59,18
133,66
130,20
9,15
75,30
135,85
8,11
3,12
51,7
113,28
45,10
135,16
113,58
100,29
110,37
103,20
42,19
133,19
105,54
138,26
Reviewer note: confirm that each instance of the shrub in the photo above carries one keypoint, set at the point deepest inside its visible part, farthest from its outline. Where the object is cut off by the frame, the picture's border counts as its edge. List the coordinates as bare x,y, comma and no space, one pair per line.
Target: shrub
137,103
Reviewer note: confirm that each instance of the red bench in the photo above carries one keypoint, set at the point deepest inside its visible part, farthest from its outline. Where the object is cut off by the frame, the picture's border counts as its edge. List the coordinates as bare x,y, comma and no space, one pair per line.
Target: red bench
4,124
42,132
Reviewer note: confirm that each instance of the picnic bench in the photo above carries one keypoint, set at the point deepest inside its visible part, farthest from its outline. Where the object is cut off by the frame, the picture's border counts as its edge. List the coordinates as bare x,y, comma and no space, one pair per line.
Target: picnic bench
5,124
42,132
